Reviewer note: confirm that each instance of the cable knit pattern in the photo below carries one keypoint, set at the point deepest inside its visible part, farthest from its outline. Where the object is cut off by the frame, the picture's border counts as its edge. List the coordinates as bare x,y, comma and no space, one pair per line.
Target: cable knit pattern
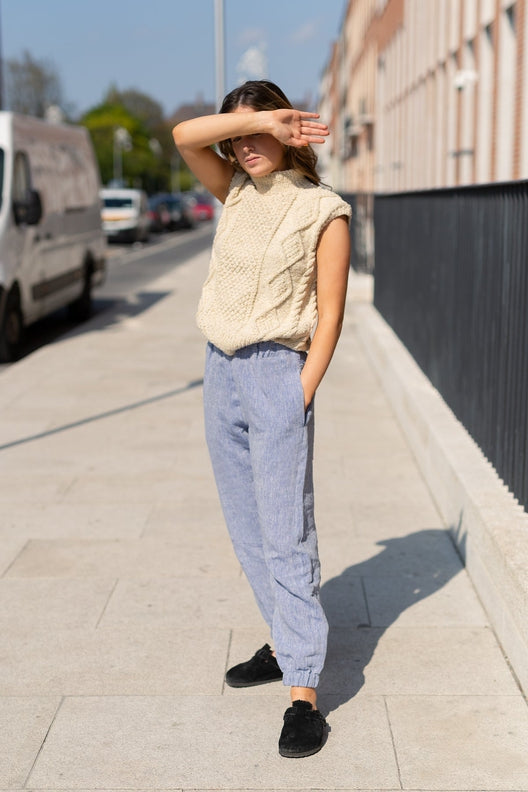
262,278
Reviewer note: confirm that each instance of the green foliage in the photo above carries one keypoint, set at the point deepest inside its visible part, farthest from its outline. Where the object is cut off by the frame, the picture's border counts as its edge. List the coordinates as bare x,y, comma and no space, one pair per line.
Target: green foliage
152,162
143,165
138,104
187,180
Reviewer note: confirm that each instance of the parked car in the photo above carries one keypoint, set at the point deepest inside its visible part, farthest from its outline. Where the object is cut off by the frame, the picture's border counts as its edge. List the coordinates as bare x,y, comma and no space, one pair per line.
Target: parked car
124,213
171,211
158,213
202,206
52,246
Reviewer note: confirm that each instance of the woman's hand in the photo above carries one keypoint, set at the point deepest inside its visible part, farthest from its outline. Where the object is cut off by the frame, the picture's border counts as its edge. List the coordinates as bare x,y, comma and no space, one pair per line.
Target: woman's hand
294,127
308,395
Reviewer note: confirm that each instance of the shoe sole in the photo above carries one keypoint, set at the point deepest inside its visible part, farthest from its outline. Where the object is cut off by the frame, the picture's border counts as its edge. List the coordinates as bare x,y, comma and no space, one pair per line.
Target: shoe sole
252,684
299,754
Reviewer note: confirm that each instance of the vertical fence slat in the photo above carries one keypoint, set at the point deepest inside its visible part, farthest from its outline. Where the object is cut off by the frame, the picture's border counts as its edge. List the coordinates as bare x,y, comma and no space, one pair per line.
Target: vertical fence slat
451,279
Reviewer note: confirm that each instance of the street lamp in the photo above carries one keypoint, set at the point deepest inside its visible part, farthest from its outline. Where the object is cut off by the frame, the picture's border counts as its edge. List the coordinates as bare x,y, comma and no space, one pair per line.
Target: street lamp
122,142
155,147
219,52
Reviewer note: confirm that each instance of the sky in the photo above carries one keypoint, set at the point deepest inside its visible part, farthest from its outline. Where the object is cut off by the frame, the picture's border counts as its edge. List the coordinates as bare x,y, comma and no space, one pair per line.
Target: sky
166,48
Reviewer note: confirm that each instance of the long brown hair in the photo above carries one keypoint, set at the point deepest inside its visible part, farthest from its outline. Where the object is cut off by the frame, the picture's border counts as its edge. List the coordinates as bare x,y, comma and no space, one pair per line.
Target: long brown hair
265,95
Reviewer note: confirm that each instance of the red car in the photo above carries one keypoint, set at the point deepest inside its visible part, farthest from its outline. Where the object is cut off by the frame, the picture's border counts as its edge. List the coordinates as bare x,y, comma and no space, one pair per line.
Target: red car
202,206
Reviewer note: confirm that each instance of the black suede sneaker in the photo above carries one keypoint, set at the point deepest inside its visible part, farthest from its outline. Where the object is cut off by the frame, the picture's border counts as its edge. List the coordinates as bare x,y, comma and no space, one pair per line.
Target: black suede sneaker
262,668
303,731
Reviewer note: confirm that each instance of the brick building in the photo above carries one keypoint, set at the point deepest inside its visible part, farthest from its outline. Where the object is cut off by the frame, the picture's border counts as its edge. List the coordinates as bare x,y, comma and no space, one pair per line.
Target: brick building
427,93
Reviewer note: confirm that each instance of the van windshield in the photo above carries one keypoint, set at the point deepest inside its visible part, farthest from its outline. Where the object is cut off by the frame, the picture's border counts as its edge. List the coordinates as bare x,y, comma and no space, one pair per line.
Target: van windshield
119,203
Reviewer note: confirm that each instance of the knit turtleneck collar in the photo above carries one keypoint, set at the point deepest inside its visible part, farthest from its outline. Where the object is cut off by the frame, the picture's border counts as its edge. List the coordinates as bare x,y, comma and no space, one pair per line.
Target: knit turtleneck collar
279,180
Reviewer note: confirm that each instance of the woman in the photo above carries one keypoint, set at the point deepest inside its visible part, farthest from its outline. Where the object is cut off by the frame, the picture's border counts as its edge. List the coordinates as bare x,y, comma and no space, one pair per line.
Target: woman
271,309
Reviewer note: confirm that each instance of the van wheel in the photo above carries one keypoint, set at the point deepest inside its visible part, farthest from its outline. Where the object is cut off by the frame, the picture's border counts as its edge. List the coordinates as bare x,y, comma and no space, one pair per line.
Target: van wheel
11,329
81,309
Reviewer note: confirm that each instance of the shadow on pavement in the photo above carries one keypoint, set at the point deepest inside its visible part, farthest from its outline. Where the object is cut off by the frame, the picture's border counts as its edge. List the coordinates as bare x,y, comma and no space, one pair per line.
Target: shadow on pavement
383,587
107,311
101,416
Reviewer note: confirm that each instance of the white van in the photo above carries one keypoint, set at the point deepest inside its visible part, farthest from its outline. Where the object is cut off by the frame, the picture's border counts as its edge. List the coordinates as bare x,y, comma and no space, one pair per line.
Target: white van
125,214
52,246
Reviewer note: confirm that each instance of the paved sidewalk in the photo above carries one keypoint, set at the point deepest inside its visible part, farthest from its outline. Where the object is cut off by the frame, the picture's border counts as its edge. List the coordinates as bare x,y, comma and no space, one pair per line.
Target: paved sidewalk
121,603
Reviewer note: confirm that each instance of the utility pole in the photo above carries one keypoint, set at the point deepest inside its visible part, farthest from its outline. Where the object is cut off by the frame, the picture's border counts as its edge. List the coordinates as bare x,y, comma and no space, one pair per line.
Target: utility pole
219,52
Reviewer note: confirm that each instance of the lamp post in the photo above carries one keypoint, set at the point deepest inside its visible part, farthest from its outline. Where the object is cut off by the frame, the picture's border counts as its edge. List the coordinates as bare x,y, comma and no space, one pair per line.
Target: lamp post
122,142
219,52
220,70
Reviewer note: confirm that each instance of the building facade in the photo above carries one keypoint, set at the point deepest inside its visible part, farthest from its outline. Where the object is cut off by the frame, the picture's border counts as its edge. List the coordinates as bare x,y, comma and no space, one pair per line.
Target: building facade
428,93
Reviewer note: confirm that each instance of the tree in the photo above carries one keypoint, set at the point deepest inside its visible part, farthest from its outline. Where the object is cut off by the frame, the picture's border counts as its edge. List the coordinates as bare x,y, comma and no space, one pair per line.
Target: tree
32,85
138,104
150,113
152,161
143,165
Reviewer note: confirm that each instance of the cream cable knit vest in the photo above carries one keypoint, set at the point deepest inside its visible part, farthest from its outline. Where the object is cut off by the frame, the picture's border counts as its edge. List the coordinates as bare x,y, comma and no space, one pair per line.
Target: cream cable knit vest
262,278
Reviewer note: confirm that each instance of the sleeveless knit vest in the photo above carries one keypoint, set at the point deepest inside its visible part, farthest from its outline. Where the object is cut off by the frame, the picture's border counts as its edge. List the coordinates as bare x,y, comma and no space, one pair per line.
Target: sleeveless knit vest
261,284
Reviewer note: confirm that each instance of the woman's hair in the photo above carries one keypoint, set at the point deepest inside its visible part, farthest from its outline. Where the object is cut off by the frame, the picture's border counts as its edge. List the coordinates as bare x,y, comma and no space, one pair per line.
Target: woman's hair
265,95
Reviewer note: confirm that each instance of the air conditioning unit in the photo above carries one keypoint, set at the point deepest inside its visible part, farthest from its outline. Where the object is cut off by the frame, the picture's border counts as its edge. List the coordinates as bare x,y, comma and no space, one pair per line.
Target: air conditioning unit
365,119
463,78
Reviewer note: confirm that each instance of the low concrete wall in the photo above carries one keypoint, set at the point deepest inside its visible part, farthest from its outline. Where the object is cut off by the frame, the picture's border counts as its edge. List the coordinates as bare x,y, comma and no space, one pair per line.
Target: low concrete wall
488,526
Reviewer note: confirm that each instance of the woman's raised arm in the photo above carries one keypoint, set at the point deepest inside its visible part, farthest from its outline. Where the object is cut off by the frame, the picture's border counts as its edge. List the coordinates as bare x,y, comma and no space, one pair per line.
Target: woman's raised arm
195,138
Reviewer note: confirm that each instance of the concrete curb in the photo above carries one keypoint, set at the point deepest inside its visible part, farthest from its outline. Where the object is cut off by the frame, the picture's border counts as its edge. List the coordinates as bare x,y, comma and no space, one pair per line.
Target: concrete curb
488,526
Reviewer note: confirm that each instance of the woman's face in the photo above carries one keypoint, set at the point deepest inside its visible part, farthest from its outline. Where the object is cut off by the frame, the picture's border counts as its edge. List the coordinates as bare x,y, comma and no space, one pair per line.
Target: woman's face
259,154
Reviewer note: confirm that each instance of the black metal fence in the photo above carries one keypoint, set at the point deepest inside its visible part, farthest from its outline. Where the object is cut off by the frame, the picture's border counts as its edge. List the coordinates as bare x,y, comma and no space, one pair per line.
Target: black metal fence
452,281
361,231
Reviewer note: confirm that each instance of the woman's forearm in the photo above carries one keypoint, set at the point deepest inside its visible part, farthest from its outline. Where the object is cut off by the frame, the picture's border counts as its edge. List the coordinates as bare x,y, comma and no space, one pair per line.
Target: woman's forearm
333,256
289,126
321,351
205,131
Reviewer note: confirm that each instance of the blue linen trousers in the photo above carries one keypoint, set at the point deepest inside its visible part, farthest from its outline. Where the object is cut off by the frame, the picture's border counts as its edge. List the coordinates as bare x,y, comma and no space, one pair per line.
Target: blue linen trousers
260,440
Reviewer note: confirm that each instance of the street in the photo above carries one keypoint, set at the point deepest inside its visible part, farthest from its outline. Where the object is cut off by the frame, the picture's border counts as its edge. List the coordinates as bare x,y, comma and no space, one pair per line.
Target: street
129,268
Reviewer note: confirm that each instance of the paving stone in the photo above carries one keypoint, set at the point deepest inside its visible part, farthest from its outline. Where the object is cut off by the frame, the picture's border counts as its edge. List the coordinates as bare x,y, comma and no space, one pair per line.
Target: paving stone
422,553
24,722
123,660
18,427
43,488
124,487
344,602
461,742
74,520
45,605
207,742
10,549
126,558
184,603
423,601
405,661
196,514
396,514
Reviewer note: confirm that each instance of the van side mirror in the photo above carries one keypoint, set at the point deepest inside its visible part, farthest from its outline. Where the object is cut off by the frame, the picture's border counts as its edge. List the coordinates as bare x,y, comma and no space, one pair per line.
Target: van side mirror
28,212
